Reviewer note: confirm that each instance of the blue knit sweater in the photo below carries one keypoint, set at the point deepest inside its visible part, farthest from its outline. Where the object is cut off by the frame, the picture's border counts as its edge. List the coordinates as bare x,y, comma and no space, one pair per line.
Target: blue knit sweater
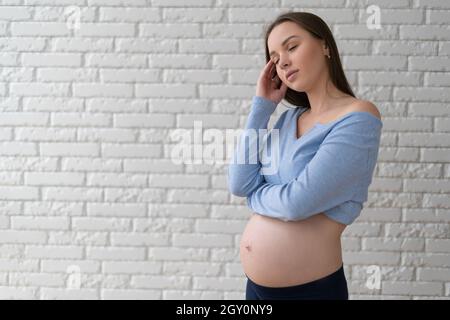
328,169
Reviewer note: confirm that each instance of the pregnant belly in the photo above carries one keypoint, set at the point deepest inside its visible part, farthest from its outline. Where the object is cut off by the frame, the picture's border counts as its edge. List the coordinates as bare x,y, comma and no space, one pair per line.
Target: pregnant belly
276,253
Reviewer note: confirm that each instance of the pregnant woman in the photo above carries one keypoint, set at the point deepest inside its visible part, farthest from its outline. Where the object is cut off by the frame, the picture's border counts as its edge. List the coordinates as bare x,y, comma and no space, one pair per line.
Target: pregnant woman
324,155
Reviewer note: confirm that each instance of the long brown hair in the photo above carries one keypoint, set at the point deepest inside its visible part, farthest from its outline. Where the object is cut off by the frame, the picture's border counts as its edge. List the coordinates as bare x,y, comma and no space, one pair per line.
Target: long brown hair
320,30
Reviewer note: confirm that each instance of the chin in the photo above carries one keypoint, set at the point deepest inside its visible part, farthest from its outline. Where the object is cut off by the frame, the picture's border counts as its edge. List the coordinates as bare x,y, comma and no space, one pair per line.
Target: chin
296,87
300,85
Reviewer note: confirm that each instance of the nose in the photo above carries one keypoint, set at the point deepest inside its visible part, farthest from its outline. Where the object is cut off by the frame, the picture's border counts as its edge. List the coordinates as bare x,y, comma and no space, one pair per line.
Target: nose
284,62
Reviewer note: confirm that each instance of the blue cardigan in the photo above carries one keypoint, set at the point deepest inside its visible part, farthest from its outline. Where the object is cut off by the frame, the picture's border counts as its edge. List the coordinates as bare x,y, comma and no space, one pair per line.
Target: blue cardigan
328,169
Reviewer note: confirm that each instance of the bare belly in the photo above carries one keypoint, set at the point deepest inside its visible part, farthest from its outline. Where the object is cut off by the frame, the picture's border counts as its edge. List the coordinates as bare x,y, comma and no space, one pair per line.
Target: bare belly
275,253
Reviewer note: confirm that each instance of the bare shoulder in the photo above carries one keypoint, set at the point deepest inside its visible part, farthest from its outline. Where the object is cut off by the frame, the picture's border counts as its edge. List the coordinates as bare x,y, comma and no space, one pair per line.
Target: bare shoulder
364,105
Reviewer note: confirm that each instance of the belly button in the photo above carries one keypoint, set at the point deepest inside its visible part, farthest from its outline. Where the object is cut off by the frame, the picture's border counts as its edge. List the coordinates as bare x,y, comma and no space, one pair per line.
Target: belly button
248,247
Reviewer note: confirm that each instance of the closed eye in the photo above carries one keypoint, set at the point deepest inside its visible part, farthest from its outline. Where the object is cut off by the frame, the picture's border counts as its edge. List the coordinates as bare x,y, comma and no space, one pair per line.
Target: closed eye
290,49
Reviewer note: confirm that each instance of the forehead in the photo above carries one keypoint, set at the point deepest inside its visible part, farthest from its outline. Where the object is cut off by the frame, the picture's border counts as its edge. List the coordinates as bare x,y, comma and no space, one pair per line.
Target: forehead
282,31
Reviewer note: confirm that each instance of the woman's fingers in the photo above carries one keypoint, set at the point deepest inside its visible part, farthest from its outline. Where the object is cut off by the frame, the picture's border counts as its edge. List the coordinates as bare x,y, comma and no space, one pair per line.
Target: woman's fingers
267,71
269,82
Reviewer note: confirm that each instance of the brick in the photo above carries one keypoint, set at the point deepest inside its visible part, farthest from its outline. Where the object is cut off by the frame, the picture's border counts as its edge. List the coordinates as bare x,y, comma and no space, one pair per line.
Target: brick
47,251
165,90
11,293
71,194
105,30
61,44
72,119
24,119
135,294
143,121
13,13
39,89
19,236
429,32
168,282
52,265
115,253
69,294
39,223
115,60
39,29
437,245
89,164
16,74
433,274
414,288
101,224
36,279
196,14
22,44
102,90
181,180
66,74
54,178
121,3
129,14
202,240
51,59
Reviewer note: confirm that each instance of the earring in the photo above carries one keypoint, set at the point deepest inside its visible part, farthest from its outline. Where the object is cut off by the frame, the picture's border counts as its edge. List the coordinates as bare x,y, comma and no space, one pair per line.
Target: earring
328,54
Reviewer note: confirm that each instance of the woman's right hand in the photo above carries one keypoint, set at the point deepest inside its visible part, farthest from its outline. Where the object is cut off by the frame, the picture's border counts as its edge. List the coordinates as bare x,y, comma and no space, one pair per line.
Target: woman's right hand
267,87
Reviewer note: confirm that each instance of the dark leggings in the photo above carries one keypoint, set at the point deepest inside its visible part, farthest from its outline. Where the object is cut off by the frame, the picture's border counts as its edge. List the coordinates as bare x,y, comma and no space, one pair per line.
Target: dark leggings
330,287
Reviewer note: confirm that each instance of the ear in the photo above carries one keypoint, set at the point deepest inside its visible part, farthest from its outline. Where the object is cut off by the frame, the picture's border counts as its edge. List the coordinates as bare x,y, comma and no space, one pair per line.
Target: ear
326,51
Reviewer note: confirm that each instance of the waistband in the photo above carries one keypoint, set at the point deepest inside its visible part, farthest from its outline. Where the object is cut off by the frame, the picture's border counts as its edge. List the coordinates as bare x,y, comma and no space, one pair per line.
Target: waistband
333,279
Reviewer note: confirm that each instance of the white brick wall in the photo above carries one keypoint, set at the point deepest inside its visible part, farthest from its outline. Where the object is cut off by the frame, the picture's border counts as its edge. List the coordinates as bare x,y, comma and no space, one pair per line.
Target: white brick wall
87,178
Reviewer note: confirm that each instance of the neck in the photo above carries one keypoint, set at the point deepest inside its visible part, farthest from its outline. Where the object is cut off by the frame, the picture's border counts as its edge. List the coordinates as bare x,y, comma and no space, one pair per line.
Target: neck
322,95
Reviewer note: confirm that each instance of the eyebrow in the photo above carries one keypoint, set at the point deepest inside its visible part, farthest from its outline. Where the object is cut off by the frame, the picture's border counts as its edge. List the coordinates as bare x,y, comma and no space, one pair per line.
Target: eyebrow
284,42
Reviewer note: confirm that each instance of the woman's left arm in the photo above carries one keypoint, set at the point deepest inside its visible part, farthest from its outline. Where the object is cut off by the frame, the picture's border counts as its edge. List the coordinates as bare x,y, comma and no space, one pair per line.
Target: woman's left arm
340,166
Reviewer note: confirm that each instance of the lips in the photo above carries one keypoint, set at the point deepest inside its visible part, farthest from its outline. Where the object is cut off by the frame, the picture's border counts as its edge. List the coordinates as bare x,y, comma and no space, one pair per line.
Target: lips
290,72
